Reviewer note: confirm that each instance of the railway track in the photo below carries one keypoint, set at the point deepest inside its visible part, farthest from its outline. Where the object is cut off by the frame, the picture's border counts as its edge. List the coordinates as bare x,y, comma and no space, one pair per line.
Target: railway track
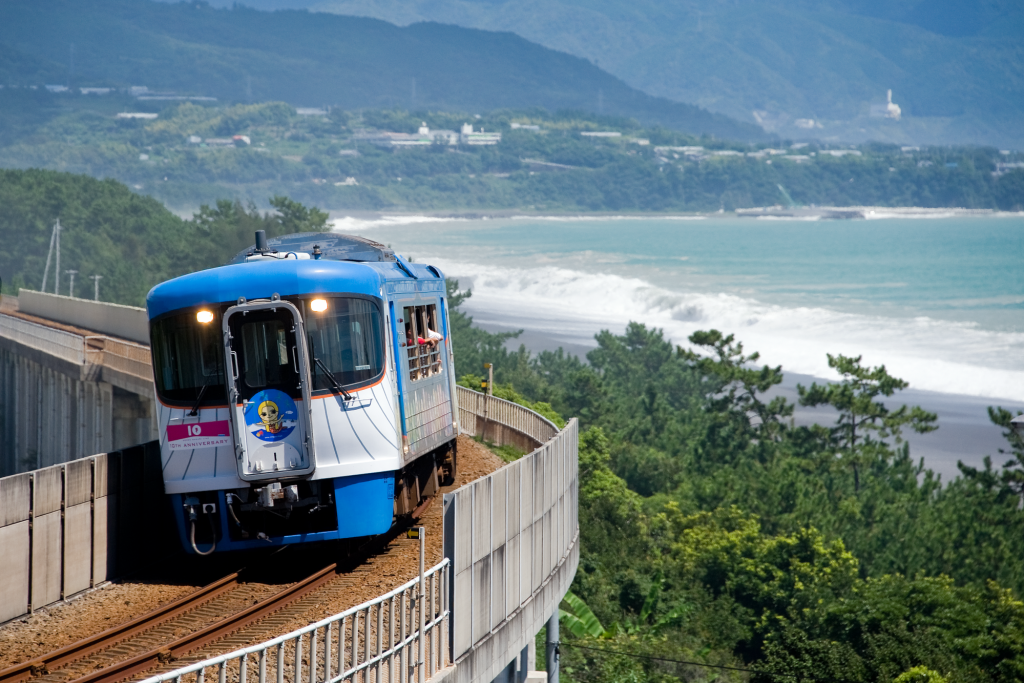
222,614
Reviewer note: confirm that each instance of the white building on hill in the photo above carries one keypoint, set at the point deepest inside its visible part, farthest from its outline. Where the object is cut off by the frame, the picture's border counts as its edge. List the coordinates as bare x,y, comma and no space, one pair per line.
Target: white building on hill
887,110
468,137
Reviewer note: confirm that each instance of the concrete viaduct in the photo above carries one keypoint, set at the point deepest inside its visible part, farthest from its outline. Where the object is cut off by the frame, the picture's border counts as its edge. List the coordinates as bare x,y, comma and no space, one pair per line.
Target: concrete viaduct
77,408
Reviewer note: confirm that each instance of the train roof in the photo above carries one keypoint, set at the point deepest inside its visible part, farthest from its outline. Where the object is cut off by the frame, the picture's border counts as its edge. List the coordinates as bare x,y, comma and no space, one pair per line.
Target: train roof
288,277
334,247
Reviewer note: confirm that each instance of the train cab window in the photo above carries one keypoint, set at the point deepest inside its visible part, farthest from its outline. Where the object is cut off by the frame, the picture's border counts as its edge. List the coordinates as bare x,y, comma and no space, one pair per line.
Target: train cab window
187,356
346,336
266,358
423,341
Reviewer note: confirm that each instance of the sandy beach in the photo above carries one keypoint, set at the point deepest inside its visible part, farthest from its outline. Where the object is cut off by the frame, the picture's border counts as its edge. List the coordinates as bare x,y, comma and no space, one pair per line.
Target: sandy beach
965,432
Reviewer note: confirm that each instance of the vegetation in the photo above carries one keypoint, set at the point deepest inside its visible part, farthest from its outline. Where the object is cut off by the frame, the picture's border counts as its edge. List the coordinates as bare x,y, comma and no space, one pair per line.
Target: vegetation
716,533
131,241
555,168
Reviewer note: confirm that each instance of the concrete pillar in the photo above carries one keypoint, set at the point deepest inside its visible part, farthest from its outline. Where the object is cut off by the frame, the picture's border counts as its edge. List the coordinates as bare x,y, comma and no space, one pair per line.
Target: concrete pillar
552,648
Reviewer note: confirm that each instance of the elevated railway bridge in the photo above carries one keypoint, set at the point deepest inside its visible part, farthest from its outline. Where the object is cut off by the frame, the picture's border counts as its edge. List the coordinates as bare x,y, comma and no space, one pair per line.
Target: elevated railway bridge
80,491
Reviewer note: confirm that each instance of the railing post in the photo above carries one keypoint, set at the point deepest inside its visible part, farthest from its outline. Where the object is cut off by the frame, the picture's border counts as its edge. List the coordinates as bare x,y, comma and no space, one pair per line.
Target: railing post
312,657
329,632
355,644
420,605
379,640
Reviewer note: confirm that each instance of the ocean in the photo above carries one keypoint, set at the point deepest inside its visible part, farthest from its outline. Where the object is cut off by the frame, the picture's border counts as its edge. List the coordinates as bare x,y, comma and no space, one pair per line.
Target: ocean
938,301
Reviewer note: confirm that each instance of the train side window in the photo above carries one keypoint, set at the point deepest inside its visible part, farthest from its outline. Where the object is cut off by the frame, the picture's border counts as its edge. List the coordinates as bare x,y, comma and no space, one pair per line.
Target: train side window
422,345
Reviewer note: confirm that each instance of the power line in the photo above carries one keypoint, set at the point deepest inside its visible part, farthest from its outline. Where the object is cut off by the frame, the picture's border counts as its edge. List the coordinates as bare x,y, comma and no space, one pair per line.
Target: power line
799,677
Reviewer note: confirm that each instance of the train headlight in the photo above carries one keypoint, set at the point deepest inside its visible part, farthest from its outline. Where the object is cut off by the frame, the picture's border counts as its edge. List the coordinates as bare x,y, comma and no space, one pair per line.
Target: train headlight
204,317
318,305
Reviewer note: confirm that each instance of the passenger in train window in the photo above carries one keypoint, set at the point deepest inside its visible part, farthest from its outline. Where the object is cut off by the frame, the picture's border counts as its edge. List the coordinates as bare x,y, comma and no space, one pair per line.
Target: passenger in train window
432,337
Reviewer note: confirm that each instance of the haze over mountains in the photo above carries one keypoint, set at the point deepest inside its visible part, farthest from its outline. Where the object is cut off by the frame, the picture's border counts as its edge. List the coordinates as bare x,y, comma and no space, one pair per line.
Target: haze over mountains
311,59
956,67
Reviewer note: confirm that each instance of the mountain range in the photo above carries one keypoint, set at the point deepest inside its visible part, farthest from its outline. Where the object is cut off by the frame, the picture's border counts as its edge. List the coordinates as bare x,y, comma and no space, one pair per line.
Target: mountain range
308,59
955,67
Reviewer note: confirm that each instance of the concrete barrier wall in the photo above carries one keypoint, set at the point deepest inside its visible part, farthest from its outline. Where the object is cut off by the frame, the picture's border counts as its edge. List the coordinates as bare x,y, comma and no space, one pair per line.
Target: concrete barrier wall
513,540
65,529
127,322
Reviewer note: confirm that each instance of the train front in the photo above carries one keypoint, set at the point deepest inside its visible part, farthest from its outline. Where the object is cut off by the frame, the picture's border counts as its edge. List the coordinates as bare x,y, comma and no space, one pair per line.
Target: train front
276,404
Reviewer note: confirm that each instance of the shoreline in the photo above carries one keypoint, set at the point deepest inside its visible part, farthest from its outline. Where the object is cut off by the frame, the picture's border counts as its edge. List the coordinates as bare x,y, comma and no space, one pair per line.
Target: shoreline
965,432
399,217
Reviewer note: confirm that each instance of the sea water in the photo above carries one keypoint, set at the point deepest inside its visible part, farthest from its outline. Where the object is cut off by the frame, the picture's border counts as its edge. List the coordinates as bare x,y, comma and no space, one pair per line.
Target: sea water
940,302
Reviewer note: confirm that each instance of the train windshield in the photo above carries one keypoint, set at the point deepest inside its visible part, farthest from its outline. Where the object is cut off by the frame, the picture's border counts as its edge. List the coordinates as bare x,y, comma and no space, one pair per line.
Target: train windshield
345,337
188,356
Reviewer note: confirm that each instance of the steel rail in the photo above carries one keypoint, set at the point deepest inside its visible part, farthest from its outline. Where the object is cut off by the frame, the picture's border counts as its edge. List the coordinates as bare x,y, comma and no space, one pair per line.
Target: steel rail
101,641
212,633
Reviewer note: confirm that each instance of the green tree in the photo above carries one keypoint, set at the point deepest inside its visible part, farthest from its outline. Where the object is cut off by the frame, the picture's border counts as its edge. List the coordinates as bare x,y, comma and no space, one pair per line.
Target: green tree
294,217
864,420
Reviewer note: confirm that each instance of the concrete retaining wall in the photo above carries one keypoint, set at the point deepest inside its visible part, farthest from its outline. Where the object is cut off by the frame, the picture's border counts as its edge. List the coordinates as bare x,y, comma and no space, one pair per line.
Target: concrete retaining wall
126,322
513,539
60,526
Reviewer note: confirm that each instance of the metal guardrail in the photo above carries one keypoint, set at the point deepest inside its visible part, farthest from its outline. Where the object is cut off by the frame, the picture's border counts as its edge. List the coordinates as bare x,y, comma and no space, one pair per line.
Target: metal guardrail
379,635
377,640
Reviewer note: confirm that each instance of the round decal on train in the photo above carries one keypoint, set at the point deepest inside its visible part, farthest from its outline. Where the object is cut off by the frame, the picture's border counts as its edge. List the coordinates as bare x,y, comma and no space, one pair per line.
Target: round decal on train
271,415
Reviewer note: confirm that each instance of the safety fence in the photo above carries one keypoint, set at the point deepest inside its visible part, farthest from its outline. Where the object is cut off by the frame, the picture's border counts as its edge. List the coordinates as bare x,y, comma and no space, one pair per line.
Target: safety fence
60,526
511,543
512,537
500,421
398,637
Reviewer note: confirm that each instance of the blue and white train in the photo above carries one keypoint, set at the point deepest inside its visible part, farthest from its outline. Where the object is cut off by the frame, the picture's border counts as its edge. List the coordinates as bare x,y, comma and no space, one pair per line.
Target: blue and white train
306,392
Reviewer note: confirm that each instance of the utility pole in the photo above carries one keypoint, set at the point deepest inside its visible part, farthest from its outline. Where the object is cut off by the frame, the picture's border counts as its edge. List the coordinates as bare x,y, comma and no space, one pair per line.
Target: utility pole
71,285
96,281
551,646
49,254
56,275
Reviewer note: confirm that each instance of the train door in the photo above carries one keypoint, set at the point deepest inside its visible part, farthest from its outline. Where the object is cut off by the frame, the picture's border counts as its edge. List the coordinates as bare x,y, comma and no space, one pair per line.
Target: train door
269,390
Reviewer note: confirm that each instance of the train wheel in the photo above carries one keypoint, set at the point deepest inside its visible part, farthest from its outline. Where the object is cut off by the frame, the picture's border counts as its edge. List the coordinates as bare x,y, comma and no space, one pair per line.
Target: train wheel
448,466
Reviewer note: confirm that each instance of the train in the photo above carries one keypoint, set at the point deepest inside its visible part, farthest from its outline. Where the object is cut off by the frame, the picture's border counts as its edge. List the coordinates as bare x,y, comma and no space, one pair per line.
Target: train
305,392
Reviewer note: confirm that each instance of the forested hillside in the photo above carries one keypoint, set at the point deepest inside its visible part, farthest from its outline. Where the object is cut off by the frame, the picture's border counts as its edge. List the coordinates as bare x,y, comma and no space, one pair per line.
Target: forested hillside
716,536
132,241
242,55
326,160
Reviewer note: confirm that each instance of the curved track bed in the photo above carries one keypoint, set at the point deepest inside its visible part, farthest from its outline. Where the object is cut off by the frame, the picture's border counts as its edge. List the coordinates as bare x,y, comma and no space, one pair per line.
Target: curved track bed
278,593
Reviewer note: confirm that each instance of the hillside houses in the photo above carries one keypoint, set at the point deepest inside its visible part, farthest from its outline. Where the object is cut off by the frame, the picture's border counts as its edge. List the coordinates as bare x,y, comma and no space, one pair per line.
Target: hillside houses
424,136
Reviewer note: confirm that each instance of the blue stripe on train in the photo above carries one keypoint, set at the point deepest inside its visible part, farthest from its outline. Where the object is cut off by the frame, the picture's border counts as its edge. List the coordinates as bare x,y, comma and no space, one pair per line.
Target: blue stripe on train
364,502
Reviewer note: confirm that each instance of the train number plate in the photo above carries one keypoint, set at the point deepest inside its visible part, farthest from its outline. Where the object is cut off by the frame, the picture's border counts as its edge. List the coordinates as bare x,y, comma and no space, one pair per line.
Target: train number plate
198,435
